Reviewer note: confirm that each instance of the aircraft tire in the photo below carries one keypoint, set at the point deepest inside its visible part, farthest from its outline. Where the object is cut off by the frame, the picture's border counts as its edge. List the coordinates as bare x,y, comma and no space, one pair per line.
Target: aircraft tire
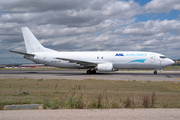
88,71
155,72
93,71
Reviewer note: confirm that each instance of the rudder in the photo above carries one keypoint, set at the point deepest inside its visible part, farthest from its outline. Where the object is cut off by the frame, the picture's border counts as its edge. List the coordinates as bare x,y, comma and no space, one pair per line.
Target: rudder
31,43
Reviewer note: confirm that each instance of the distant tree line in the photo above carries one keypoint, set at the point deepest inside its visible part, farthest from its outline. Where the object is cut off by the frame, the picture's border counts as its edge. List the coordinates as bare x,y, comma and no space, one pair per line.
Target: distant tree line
176,62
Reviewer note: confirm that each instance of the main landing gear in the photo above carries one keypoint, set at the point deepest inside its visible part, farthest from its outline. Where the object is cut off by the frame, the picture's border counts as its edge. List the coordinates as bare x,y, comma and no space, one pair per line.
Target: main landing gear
91,71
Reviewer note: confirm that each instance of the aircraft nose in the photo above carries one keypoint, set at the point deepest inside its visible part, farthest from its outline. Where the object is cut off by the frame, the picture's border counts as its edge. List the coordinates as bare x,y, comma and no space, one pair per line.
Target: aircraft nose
171,62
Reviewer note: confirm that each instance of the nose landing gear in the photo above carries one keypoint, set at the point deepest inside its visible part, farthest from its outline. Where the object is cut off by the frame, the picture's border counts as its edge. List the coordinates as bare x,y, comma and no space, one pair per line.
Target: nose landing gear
155,72
158,69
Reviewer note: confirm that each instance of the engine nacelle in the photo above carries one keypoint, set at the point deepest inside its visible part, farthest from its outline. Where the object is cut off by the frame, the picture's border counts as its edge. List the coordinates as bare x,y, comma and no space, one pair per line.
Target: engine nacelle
105,67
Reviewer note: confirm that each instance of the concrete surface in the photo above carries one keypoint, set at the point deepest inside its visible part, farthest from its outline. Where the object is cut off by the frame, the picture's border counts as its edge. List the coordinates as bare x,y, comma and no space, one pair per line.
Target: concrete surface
89,114
23,107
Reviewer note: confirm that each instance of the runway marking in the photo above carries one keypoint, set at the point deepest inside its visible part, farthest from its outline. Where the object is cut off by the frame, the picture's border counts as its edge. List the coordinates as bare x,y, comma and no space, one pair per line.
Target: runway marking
77,71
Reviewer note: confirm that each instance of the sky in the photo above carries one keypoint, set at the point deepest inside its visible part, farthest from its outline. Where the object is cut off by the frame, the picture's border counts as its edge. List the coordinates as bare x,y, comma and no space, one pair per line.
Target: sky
91,25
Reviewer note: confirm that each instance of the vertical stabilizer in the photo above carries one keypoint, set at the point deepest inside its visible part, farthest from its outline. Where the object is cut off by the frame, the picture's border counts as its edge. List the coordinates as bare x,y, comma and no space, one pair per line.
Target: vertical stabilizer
31,43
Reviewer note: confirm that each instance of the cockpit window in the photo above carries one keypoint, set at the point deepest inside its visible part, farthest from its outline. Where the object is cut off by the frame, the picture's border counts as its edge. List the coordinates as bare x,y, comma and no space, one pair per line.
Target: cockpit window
163,57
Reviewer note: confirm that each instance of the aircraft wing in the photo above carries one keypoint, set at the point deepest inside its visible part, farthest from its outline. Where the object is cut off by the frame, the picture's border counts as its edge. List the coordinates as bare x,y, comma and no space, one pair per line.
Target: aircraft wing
83,63
21,53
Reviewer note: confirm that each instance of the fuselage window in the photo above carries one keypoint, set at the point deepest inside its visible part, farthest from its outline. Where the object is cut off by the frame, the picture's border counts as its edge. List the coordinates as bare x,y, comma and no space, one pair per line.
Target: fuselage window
101,57
97,57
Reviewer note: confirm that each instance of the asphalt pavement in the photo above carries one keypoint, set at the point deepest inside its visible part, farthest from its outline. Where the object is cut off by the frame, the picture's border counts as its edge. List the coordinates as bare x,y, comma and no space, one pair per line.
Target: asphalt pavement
81,74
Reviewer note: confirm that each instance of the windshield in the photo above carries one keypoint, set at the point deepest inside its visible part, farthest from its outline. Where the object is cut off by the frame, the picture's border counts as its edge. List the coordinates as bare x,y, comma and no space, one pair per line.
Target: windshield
163,57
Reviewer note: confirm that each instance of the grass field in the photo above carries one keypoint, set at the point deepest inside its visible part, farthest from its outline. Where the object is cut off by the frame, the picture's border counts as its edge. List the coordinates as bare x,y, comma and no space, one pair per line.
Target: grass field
172,67
89,94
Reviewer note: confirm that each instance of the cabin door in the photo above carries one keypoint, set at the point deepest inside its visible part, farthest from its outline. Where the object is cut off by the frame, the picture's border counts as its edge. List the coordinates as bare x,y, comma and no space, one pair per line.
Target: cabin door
152,58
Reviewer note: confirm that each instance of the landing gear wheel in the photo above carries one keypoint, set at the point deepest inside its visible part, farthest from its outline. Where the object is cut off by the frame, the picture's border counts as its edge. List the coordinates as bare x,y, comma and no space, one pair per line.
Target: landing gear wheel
88,71
93,71
155,72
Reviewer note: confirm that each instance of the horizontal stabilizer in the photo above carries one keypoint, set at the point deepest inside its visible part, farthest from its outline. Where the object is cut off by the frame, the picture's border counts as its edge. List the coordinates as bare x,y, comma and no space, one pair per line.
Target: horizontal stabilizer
21,53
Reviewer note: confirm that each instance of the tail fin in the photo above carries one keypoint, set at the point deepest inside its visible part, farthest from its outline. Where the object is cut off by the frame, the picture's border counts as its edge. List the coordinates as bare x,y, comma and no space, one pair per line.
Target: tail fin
31,43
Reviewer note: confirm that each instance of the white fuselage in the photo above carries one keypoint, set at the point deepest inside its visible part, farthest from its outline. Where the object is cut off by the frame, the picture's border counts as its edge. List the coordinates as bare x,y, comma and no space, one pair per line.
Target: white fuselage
101,61
119,59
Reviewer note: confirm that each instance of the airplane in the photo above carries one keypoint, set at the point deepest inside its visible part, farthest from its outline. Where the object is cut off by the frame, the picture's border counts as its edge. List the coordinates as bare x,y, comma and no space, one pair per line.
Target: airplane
93,61
6,67
10,67
22,67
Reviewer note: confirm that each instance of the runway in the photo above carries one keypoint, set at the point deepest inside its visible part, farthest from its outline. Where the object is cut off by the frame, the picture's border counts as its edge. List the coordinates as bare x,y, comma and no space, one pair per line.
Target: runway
173,75
90,114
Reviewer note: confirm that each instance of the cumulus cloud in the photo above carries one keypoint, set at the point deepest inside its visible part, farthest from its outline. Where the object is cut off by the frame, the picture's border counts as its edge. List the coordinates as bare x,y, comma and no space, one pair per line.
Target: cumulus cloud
155,6
150,27
76,14
122,9
83,25
40,6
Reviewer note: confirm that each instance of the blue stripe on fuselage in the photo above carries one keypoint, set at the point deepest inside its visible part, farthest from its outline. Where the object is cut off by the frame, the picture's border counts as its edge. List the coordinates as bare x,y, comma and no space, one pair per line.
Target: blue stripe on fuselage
138,60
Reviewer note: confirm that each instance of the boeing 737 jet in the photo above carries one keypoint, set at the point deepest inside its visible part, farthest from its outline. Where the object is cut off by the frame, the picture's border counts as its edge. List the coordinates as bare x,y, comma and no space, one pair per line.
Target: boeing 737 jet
93,61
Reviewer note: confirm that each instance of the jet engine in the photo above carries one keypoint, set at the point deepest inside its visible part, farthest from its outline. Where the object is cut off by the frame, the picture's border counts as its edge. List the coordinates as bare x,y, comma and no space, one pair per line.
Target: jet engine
105,67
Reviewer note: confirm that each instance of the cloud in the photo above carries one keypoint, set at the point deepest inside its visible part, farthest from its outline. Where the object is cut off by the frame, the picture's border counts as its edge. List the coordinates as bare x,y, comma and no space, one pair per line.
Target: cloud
150,27
122,9
40,6
83,25
155,6
66,12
